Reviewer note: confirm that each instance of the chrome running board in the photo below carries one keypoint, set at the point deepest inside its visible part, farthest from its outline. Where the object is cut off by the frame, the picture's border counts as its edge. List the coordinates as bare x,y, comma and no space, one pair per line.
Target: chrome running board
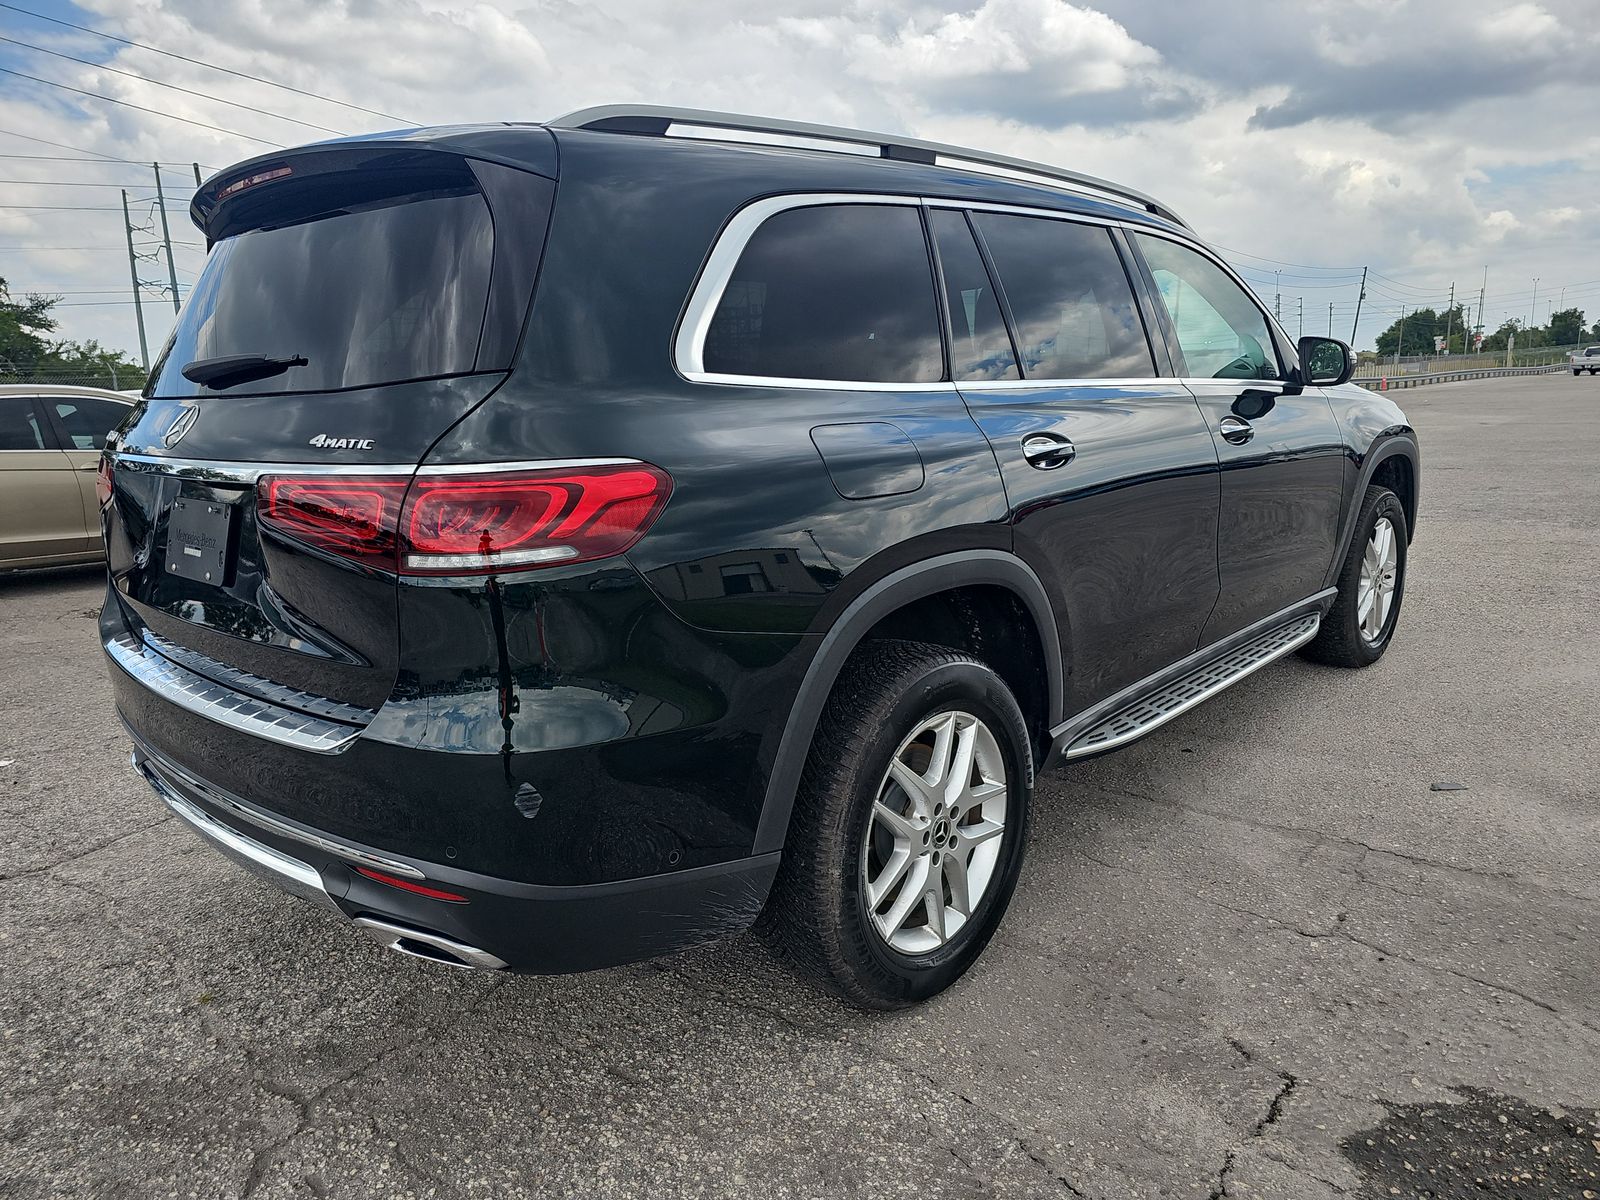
1194,687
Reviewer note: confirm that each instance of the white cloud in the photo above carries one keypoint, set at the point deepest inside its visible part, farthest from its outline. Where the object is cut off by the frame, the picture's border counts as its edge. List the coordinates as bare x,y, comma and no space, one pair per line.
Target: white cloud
1424,139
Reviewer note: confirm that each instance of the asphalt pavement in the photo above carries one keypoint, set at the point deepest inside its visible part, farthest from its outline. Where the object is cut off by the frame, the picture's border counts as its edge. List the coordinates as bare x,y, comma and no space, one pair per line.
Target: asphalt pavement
1245,951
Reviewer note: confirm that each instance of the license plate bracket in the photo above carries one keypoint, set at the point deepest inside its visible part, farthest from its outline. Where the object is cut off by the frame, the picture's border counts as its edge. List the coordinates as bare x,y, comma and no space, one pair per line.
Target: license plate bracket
198,532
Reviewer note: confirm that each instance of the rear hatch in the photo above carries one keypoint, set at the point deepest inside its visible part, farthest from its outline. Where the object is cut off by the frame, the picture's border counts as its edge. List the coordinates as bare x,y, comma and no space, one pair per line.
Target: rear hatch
358,300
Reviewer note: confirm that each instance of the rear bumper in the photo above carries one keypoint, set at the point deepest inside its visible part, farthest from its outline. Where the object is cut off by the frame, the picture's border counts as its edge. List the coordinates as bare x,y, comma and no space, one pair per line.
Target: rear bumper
498,923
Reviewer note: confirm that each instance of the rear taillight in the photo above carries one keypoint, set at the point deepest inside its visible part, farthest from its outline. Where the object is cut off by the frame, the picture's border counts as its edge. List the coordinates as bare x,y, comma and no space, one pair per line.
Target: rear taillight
102,481
465,523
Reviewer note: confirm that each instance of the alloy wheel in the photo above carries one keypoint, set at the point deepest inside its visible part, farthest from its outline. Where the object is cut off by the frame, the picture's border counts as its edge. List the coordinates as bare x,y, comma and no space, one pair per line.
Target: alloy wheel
932,845
1380,570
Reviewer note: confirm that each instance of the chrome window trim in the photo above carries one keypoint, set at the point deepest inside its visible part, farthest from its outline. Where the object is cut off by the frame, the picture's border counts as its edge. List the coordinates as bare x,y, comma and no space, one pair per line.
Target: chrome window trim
689,344
689,341
1020,210
237,710
1016,385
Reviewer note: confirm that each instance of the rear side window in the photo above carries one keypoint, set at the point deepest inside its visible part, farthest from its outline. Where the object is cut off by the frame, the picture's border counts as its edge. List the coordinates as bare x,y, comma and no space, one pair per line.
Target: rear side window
1070,298
87,420
980,347
393,290
1222,334
19,425
842,291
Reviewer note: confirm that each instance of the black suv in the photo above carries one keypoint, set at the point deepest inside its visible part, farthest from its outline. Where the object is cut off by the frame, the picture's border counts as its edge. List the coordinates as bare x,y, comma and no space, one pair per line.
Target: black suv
555,545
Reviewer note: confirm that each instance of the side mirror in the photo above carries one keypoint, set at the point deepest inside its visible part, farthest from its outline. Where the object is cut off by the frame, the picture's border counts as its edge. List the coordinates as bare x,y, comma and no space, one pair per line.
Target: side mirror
1325,362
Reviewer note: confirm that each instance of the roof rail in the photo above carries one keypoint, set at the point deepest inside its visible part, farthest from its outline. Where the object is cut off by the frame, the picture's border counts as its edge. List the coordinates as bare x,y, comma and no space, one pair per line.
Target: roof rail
656,119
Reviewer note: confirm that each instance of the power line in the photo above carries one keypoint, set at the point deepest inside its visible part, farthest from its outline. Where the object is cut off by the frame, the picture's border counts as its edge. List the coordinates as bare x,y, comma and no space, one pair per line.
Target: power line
78,183
212,66
152,111
71,207
1227,250
174,87
80,158
28,137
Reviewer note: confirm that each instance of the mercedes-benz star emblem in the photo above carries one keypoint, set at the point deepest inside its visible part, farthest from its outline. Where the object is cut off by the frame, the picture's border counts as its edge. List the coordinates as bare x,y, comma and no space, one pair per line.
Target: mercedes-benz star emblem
184,422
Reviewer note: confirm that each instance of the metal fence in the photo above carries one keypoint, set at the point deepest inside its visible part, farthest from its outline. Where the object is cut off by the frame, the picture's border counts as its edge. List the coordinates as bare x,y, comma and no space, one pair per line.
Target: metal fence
1384,383
1433,364
110,378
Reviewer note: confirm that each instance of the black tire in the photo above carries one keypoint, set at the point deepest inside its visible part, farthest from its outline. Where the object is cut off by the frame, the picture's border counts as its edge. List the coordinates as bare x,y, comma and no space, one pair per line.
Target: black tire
817,918
1340,642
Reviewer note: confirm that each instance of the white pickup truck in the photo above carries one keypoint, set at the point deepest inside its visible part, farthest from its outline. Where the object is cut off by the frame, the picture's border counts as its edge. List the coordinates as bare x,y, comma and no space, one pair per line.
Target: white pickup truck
1587,359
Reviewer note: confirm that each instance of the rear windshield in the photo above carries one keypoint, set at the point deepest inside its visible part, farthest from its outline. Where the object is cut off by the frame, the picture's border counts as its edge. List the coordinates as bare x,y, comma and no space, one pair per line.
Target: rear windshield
380,294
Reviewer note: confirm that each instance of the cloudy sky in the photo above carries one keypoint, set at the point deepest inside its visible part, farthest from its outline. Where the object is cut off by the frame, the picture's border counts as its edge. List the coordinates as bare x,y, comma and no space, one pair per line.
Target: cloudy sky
1427,139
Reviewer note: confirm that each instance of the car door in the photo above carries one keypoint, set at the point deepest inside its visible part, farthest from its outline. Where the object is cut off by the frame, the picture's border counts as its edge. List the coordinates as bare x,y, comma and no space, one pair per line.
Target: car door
82,423
1278,442
1109,468
41,516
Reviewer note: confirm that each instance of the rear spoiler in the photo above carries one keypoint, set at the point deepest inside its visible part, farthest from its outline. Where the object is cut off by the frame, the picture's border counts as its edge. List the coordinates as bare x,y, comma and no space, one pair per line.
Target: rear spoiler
522,146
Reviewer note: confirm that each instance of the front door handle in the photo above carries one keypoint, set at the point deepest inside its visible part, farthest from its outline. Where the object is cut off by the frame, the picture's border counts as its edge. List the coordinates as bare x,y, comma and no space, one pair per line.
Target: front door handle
1047,451
1236,430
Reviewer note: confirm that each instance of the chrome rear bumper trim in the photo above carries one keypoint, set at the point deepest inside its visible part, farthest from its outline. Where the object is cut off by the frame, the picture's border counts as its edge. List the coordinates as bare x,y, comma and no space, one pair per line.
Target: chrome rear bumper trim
148,762
288,873
216,702
255,686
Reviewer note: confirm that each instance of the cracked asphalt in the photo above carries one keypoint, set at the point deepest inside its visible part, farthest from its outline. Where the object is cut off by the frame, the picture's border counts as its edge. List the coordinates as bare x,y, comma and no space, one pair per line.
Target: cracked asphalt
1236,944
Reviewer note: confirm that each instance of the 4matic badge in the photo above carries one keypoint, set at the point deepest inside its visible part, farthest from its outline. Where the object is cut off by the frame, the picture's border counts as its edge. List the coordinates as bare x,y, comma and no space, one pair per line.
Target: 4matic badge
323,442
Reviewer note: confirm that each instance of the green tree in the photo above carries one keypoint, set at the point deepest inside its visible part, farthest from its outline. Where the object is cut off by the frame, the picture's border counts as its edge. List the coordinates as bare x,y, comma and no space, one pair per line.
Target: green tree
27,352
1418,329
1497,339
1566,327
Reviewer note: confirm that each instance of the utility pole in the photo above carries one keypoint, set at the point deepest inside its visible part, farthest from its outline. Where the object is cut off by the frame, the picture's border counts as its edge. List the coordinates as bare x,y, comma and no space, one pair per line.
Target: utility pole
166,237
1449,318
1302,302
1277,295
1533,305
133,271
1400,342
1483,287
1359,299
1330,318
197,180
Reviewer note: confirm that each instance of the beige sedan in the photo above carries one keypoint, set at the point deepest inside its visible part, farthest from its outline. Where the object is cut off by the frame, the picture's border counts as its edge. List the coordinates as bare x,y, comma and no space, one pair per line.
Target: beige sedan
50,443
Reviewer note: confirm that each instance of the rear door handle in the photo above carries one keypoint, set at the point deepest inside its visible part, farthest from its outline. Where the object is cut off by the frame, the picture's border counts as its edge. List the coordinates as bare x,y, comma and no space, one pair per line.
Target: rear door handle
1236,430
1047,451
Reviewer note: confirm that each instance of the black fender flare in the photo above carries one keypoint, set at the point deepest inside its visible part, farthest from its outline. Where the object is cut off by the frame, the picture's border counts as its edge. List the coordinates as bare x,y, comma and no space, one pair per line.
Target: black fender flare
963,568
1385,448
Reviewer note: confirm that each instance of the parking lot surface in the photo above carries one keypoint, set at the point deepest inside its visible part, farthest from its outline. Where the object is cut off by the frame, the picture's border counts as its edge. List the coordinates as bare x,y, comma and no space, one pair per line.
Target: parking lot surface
1239,946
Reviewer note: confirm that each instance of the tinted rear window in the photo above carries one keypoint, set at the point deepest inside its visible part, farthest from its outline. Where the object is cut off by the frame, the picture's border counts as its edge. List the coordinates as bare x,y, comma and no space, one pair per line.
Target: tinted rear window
19,424
980,347
391,291
831,292
1070,298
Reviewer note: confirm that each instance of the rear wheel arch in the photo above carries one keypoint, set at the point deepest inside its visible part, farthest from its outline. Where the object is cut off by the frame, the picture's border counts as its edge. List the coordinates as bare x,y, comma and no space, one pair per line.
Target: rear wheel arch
939,600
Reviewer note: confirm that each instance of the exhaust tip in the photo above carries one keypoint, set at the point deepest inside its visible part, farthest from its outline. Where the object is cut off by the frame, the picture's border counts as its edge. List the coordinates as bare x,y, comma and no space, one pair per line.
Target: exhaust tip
433,947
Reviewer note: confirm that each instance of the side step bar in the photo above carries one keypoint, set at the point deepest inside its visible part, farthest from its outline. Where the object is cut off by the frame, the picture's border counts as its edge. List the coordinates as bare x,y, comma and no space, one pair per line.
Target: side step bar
1183,693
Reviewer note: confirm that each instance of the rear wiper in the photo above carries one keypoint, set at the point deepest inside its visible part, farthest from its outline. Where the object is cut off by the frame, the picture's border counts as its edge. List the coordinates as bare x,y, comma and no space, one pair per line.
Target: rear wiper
238,368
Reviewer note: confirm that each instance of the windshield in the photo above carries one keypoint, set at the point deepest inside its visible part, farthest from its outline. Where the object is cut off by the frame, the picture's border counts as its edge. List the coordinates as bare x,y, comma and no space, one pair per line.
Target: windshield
382,294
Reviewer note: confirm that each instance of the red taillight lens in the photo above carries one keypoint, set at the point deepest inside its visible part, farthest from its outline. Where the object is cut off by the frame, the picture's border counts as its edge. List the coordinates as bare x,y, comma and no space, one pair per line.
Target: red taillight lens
456,524
102,481
469,524
352,516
